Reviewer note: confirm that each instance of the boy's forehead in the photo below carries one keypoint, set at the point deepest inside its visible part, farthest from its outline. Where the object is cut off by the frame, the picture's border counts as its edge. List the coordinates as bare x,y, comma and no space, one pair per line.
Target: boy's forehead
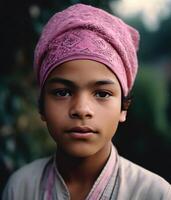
85,69
73,83
78,72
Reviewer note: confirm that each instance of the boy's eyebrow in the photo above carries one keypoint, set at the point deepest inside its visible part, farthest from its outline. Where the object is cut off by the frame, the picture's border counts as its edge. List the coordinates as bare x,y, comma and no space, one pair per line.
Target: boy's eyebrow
61,80
104,82
72,84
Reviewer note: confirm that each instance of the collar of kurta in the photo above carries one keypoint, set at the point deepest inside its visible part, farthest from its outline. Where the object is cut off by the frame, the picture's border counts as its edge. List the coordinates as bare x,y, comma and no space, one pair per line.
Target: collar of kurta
54,187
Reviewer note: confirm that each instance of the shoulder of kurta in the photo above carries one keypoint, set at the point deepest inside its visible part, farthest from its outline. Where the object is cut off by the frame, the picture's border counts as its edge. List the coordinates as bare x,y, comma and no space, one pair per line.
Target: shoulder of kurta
30,171
143,182
25,179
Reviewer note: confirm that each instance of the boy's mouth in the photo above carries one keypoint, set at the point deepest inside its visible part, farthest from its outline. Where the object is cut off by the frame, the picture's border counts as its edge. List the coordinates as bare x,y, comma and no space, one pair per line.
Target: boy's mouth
81,130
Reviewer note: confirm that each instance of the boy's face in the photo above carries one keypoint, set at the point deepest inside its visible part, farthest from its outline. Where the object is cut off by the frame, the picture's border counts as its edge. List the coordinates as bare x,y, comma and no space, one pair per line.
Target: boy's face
82,107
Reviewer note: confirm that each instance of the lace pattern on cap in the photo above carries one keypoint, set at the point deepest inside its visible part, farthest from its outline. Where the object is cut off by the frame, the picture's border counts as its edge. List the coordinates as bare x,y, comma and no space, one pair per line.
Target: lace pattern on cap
81,44
123,38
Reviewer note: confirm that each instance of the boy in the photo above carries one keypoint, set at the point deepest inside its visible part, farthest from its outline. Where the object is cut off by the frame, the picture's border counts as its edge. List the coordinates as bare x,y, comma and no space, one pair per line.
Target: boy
86,64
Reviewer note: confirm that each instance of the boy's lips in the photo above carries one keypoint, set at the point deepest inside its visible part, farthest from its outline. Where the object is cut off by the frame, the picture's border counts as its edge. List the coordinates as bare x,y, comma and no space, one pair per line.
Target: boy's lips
81,130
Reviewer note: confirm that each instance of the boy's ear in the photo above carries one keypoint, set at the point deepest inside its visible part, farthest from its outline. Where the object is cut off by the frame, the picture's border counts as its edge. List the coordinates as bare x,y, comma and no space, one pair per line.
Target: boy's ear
123,115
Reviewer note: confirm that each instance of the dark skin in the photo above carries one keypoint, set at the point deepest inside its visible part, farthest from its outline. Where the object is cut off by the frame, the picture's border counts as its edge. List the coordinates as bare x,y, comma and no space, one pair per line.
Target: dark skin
82,172
82,93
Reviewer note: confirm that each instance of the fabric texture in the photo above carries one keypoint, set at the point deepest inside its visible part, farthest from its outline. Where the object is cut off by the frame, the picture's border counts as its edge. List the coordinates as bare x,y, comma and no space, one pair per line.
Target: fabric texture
86,32
127,181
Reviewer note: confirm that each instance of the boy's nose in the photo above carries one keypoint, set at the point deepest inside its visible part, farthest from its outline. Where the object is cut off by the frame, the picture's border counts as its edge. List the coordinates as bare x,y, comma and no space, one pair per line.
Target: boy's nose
81,108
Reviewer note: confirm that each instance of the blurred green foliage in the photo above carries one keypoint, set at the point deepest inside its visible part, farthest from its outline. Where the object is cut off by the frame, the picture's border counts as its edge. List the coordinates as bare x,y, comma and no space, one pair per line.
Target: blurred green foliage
144,138
150,99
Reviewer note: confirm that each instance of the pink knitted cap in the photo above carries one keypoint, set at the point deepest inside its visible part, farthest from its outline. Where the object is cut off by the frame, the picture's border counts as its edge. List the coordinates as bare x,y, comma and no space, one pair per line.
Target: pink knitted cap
86,32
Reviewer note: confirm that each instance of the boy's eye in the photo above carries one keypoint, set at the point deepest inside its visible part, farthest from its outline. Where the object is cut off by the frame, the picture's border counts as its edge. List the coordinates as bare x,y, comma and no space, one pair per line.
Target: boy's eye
61,92
103,94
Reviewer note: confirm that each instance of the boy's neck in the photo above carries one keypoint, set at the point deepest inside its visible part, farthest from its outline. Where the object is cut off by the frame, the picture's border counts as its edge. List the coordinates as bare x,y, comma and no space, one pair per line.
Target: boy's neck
82,170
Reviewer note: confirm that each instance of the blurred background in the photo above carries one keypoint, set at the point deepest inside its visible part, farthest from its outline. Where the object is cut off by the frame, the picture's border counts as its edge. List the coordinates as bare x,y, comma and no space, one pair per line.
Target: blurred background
146,136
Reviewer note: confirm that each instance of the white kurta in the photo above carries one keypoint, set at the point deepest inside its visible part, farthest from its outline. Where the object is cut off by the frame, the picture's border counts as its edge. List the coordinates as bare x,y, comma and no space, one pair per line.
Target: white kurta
127,181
